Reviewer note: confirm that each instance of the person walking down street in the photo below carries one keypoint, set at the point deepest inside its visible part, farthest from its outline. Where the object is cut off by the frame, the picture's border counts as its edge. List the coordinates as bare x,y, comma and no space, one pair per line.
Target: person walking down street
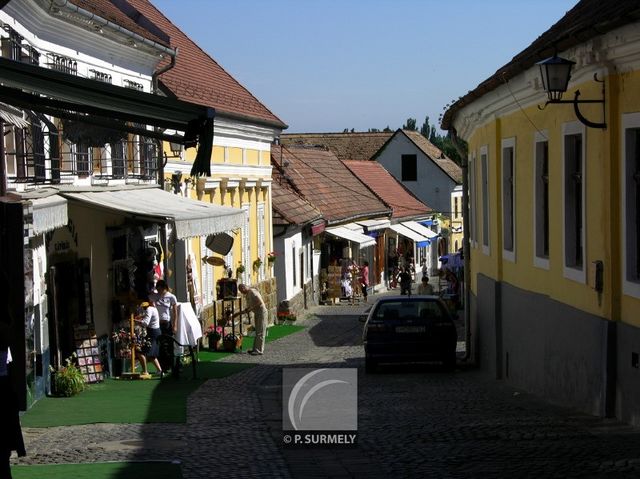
255,304
11,436
167,305
151,320
364,279
405,281
425,287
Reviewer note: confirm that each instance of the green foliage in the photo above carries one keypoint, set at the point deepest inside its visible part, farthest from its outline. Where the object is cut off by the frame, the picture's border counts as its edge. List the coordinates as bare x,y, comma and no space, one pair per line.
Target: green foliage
68,380
410,125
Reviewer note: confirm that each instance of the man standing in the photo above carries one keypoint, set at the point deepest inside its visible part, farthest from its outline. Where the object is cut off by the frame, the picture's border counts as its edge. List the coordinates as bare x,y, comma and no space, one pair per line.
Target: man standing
255,304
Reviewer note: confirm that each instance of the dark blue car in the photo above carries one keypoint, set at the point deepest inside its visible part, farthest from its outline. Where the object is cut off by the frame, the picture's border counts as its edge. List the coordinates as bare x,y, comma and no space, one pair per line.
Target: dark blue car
414,329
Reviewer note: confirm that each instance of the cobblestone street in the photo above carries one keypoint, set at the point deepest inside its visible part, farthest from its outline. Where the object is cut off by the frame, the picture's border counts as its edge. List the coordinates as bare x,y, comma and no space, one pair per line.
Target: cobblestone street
416,423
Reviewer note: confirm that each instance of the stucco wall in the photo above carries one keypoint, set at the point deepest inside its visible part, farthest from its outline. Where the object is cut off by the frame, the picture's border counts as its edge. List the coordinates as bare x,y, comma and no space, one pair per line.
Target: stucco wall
433,187
543,346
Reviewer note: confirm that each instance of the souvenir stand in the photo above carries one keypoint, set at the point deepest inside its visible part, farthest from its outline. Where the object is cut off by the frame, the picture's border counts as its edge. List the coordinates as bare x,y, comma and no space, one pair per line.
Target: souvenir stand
229,302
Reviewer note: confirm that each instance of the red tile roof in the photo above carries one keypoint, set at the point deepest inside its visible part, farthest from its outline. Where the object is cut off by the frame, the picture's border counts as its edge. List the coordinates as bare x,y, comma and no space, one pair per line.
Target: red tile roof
123,14
197,77
392,192
289,206
328,184
588,19
346,146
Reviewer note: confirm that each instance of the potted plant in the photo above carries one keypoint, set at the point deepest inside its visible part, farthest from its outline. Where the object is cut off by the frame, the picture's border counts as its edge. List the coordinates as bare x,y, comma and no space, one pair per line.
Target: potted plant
257,263
214,334
68,380
271,258
239,270
231,342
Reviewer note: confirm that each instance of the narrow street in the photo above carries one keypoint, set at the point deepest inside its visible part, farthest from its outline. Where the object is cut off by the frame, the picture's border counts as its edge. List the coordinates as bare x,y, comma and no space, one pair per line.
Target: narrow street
412,423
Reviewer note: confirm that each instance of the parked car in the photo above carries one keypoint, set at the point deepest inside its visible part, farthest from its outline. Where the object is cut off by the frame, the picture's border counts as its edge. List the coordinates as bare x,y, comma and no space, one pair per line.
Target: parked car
413,329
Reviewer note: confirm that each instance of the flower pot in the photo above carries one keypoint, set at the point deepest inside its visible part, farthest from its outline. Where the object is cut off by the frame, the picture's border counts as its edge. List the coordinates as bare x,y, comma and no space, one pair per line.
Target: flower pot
230,346
214,343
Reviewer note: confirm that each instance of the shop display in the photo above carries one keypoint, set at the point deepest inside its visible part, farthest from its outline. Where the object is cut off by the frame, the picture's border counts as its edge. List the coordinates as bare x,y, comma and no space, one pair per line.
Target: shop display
88,355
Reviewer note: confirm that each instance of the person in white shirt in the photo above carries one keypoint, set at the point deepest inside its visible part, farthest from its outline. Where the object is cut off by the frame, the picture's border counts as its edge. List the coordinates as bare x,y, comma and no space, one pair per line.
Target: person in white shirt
167,304
151,320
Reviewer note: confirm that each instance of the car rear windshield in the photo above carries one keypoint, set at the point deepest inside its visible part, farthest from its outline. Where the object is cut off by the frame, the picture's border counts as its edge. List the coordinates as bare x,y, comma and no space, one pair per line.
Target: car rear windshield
397,310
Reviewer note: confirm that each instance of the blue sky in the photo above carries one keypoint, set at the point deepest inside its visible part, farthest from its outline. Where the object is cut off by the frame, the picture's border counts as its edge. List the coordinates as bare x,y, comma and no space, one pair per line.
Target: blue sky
327,65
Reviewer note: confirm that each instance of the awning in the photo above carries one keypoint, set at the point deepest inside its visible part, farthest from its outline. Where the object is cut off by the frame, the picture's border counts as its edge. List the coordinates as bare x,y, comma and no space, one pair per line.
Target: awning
418,228
190,217
13,116
353,236
375,225
49,213
68,96
354,227
412,235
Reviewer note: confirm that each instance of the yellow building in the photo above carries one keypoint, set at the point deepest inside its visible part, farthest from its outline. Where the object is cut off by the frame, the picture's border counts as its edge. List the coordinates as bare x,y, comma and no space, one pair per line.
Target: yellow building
554,204
237,174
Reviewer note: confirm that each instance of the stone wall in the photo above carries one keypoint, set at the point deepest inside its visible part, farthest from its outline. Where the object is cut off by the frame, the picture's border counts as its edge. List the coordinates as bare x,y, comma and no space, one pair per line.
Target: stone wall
296,304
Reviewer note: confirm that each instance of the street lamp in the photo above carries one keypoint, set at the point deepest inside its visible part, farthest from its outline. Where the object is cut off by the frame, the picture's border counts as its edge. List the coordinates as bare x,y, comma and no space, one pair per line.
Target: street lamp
556,73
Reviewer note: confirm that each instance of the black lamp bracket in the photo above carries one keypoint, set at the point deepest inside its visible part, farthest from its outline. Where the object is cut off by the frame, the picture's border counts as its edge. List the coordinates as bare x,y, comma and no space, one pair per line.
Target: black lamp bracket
576,101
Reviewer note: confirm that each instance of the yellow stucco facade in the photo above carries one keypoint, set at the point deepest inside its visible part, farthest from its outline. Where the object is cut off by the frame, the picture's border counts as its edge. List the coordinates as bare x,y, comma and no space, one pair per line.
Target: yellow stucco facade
602,206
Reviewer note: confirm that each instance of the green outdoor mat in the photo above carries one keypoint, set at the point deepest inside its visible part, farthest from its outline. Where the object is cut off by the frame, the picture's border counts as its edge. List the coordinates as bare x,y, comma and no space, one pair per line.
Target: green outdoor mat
273,333
112,470
121,401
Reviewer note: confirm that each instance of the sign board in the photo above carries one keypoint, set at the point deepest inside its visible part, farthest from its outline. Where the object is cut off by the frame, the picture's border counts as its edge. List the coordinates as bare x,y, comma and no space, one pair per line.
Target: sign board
334,274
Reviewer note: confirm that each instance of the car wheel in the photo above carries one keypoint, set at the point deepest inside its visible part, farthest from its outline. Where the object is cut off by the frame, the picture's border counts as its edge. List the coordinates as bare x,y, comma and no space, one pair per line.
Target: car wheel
370,365
449,362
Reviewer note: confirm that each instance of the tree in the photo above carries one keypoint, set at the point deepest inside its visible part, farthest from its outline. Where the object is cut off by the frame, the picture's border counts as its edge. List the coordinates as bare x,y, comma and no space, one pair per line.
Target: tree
410,125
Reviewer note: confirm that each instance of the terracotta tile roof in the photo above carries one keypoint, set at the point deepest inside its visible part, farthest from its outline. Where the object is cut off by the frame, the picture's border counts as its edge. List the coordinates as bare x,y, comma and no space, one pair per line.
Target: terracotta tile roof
346,146
328,184
122,13
588,19
289,206
447,165
197,77
390,190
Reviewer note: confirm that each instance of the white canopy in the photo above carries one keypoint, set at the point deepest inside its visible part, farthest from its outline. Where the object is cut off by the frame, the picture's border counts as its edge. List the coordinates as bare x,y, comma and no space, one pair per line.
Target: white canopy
190,217
374,225
350,235
418,228
409,233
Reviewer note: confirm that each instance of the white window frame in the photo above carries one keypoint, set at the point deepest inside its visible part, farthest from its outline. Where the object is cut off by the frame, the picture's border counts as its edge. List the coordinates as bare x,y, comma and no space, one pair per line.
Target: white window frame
484,188
206,275
509,143
540,261
473,236
629,287
570,272
246,245
262,250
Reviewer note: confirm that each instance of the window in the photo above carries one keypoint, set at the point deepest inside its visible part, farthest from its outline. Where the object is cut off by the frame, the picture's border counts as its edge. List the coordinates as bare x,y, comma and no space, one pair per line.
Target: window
484,164
118,159
473,235
508,199
82,158
541,201
262,253
294,272
409,168
246,250
573,183
455,207
631,204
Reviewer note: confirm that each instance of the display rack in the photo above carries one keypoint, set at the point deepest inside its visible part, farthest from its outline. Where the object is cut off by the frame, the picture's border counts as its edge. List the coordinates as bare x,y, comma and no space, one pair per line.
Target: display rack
228,317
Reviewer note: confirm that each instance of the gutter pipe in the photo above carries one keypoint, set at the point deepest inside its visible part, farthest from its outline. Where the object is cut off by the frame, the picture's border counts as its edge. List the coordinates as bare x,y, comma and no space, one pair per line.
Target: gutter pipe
466,247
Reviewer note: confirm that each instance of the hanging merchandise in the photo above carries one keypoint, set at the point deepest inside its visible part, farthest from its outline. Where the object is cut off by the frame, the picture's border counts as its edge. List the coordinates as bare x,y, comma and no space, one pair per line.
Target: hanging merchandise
220,243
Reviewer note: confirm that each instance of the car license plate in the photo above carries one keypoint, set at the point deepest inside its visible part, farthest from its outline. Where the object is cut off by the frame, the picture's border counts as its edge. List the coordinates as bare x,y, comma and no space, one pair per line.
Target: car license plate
410,329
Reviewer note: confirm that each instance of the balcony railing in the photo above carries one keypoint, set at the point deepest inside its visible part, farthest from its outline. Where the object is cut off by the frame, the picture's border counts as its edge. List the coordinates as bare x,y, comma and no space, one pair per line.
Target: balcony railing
41,154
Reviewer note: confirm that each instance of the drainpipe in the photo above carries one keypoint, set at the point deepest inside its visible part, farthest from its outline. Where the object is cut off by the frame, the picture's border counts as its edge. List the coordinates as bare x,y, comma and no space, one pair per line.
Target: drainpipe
154,89
466,249
3,164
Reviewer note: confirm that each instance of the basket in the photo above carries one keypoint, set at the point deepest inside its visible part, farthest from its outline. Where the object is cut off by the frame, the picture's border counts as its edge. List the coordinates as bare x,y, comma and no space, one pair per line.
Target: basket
231,345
